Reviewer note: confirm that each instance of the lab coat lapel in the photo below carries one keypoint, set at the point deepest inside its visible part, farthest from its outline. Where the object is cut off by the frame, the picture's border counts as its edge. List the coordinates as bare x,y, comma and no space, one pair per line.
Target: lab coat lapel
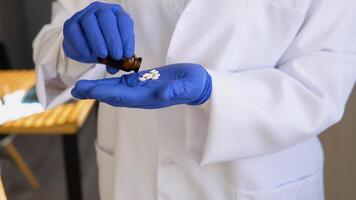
192,9
201,38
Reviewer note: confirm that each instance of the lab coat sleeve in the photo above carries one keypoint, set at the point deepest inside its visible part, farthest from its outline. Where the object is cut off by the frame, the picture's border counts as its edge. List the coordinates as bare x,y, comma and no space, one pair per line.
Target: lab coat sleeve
56,73
261,111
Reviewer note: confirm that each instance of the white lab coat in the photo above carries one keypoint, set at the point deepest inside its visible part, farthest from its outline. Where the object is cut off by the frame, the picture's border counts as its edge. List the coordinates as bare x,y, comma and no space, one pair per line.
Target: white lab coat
282,71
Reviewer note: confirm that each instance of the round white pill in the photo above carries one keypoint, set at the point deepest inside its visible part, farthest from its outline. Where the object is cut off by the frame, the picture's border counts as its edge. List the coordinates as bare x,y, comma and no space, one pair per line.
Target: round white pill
147,76
141,79
154,71
155,77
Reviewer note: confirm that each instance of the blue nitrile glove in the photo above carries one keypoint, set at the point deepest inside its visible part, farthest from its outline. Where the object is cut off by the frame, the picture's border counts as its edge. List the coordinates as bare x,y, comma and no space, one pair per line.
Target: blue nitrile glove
99,30
178,84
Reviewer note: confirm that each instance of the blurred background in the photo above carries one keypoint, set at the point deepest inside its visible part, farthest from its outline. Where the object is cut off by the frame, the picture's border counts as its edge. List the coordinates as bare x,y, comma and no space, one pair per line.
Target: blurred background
20,21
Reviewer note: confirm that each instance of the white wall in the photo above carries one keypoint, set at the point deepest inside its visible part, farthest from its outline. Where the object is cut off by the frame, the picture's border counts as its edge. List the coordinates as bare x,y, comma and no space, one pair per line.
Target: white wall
37,13
20,20
13,33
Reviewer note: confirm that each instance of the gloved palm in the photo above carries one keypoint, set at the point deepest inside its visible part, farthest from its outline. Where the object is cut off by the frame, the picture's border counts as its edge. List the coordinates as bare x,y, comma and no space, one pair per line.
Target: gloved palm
99,30
178,84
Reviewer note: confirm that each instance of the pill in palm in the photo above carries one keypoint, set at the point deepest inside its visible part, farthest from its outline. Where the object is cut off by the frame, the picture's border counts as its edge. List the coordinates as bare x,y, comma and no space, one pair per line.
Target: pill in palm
154,71
141,79
152,75
155,77
147,76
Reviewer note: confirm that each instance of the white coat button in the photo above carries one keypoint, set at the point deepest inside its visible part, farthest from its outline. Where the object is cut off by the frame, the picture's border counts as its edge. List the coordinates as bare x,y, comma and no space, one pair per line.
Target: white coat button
167,161
173,6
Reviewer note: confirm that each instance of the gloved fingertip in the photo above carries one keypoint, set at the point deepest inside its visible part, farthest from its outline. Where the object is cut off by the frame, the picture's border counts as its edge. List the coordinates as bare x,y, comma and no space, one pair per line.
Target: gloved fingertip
117,53
111,70
84,84
102,52
81,88
129,51
77,94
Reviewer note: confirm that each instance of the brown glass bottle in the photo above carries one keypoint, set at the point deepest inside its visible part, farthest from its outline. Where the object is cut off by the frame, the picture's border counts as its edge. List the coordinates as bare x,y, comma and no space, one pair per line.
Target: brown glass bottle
125,64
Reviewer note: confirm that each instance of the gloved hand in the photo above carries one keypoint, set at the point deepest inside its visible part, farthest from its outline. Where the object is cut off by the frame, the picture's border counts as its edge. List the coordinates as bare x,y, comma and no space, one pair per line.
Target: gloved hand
178,84
99,30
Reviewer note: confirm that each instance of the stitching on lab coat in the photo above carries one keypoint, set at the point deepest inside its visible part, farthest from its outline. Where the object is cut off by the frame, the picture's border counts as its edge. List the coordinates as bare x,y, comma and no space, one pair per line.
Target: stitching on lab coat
304,181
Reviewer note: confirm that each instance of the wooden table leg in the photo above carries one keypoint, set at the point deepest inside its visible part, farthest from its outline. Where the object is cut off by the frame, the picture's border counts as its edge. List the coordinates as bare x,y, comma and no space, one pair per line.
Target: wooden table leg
2,191
11,150
72,166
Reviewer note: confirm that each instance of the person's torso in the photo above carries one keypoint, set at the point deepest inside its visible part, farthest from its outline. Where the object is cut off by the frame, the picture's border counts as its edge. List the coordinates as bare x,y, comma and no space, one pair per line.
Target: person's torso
142,153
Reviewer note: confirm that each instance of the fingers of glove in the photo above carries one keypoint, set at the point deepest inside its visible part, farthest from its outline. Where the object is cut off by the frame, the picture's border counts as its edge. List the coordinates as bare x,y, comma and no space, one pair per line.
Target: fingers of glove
131,80
121,95
111,70
178,90
126,29
82,87
106,93
94,36
107,22
74,44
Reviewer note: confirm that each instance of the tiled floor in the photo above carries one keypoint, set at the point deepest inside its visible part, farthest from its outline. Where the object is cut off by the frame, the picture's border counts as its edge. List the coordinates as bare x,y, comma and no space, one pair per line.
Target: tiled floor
44,156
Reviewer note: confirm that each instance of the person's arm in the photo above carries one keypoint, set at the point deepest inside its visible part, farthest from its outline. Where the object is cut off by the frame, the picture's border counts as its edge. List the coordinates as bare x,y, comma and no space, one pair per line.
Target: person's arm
257,112
56,73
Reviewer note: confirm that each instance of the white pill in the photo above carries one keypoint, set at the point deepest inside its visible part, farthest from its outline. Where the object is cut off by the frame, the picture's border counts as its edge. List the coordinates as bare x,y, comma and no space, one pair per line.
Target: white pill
142,79
154,71
147,76
155,77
